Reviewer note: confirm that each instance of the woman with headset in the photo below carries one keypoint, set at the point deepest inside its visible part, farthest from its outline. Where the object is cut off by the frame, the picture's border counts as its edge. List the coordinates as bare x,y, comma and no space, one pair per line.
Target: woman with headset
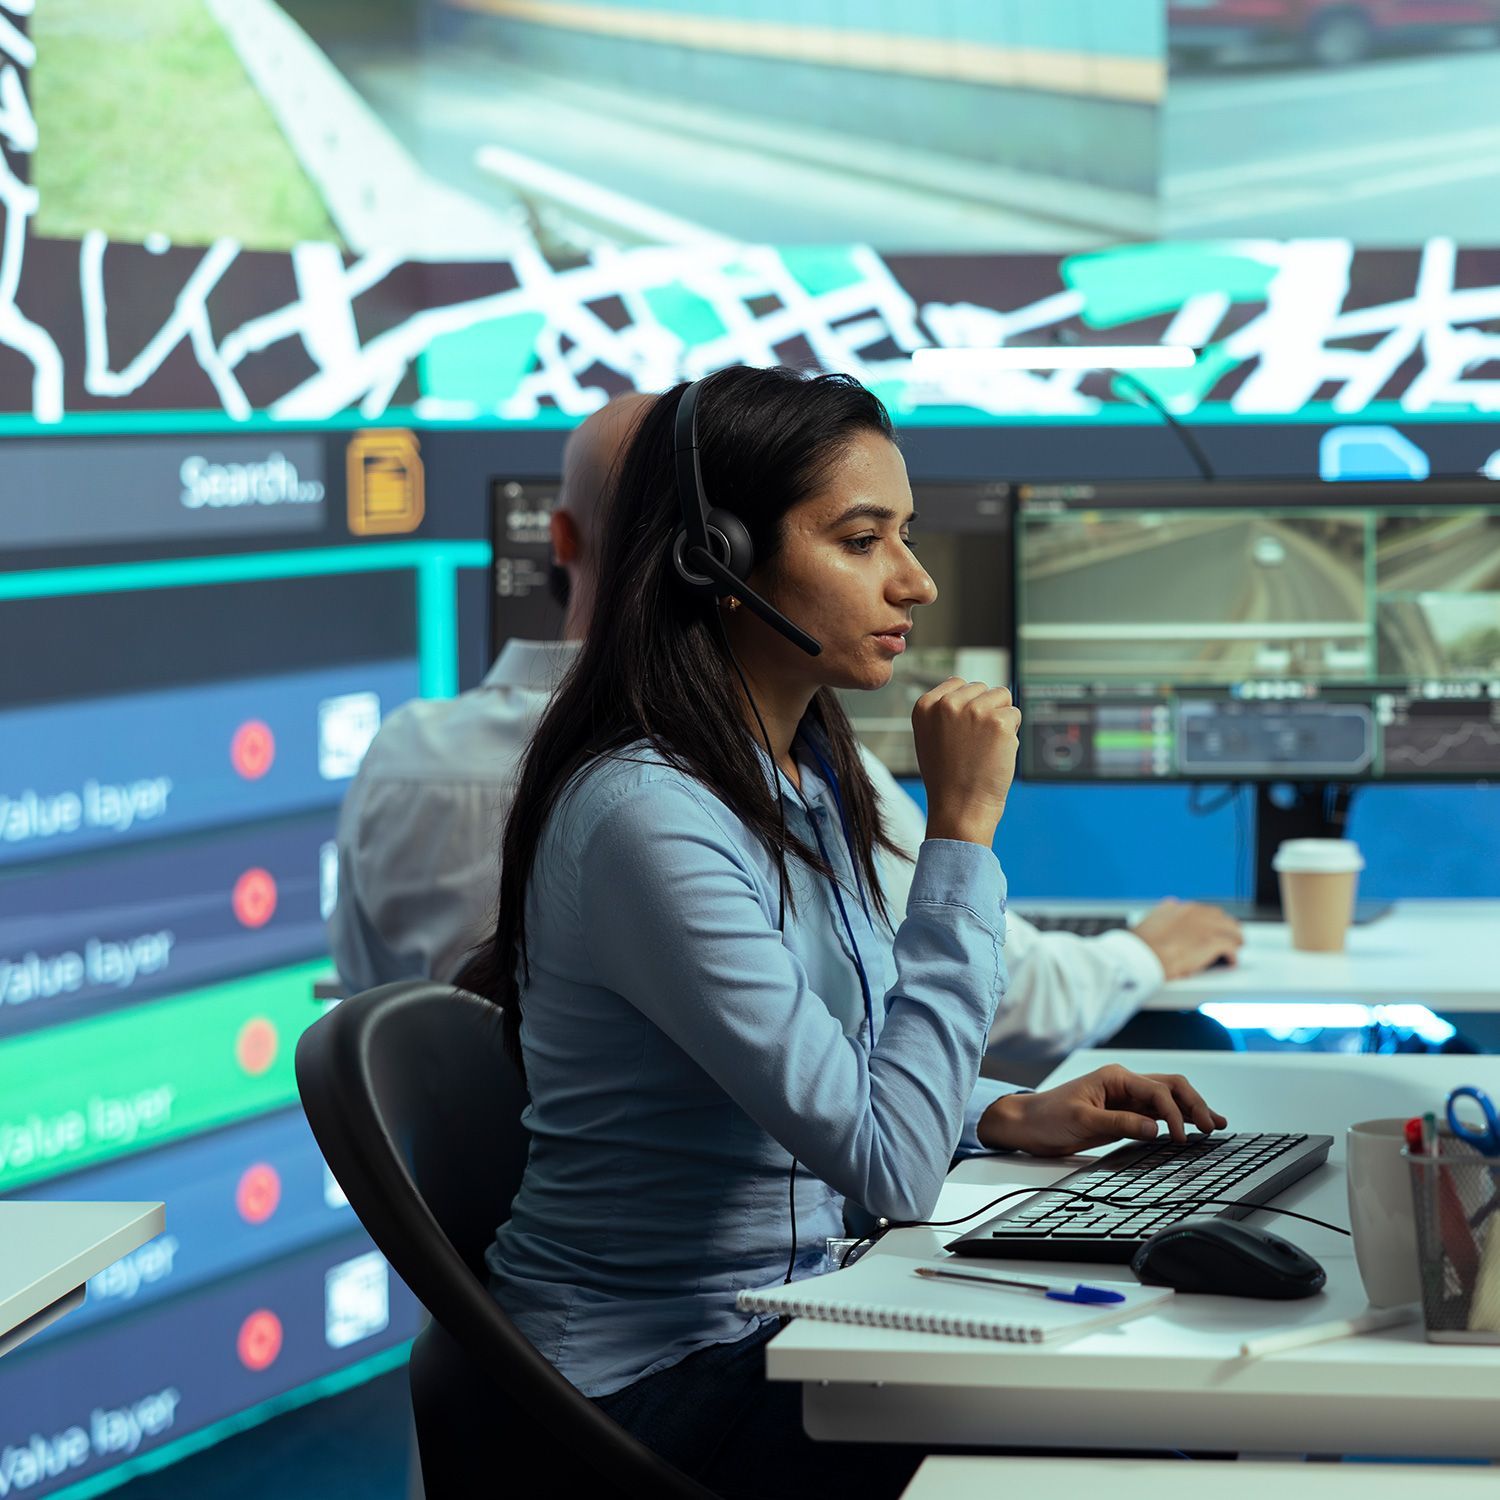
727,1035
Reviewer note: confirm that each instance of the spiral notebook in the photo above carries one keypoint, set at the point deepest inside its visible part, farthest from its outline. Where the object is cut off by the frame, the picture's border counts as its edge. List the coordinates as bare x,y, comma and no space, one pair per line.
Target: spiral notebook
884,1291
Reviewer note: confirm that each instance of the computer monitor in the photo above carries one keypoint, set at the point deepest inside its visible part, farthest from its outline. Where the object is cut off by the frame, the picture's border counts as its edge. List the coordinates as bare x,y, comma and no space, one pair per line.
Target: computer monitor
962,532
1304,633
962,537
522,604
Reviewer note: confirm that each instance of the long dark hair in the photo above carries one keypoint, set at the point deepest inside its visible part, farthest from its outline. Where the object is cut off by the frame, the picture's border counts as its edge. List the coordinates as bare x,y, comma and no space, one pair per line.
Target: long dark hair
655,664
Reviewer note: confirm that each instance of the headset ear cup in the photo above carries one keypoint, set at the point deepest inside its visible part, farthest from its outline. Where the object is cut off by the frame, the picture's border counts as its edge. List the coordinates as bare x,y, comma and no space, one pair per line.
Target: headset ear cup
741,557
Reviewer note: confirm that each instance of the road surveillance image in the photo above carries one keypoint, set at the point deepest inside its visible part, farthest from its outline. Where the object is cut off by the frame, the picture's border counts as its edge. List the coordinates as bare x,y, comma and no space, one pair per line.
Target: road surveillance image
1258,631
1328,154
1207,596
1433,549
1437,578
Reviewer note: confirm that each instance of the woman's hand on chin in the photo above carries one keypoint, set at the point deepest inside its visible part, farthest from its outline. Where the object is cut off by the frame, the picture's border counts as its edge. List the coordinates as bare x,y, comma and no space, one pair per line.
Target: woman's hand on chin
1094,1110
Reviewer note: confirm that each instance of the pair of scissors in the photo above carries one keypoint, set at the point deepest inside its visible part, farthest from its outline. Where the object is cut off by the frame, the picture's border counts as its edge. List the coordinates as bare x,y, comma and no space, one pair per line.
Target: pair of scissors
1483,1138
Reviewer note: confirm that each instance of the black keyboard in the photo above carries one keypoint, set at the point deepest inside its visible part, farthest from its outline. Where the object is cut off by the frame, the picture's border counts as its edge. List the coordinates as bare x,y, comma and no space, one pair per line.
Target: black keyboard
1085,924
1148,1185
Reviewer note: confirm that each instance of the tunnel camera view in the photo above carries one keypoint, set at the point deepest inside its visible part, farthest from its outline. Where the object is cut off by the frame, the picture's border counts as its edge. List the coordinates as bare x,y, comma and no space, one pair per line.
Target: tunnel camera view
1438,585
1191,632
1443,551
1440,635
1193,596
1366,118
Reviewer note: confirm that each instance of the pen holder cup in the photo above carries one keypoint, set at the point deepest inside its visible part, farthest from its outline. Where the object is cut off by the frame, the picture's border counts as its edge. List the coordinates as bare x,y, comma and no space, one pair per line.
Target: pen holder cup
1456,1199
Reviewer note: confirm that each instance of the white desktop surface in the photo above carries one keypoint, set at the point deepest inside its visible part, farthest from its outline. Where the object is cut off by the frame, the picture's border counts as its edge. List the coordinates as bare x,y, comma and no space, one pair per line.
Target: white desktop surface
1441,954
1176,1379
48,1251
955,1478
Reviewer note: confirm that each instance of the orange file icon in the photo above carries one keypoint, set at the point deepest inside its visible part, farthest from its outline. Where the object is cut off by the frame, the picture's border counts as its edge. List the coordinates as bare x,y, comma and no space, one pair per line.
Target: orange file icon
385,482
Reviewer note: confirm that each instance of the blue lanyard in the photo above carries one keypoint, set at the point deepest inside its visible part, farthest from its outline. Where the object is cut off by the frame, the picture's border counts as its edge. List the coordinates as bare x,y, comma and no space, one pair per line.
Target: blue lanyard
838,895
838,801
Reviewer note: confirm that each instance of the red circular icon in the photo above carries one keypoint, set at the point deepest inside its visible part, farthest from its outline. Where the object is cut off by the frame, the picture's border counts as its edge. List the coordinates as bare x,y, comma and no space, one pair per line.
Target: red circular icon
252,749
254,897
255,1046
258,1192
259,1340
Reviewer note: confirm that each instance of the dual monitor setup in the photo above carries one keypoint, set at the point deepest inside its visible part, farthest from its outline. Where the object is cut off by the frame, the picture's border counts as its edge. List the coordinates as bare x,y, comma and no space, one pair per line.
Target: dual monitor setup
1302,636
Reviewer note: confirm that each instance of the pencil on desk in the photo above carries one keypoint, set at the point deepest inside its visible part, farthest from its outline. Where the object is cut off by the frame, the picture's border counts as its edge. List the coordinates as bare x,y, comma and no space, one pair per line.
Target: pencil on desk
1322,1333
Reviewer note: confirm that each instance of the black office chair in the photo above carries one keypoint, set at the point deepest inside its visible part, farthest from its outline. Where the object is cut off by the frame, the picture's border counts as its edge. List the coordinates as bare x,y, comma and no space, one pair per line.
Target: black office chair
417,1110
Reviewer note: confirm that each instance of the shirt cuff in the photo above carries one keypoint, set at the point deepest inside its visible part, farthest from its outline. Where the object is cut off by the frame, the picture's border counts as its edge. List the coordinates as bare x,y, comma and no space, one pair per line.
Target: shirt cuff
984,1094
951,872
1138,969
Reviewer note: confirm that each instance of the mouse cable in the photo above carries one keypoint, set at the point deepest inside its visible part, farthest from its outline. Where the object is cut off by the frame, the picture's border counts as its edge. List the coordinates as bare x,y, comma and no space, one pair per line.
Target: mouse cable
885,1224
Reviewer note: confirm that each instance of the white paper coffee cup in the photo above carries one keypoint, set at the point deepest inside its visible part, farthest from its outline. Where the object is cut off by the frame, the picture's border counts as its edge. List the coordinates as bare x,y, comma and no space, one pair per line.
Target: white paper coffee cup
1319,878
1381,1214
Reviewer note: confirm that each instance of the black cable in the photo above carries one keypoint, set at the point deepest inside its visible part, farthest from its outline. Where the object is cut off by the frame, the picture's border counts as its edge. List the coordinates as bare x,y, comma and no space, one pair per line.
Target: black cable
1241,845
1201,809
771,754
1188,441
791,1185
1232,795
1069,337
791,1193
888,1224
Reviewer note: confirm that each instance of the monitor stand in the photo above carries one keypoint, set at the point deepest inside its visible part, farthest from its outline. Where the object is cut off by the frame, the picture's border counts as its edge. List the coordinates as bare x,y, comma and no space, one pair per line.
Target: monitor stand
1296,810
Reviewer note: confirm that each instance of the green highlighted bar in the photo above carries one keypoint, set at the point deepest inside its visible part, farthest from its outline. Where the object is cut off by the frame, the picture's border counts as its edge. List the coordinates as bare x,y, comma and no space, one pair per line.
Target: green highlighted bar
1124,739
75,1095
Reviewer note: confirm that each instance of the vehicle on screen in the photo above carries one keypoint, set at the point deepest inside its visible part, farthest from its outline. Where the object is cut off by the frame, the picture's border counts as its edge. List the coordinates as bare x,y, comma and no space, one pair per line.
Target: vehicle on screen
1333,33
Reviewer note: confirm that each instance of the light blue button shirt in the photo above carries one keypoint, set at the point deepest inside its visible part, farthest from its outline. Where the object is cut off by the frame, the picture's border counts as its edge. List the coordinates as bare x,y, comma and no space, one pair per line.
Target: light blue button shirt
680,1051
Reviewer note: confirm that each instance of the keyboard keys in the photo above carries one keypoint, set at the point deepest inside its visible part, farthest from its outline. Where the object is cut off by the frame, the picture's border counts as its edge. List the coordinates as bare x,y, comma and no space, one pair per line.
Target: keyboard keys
1138,1189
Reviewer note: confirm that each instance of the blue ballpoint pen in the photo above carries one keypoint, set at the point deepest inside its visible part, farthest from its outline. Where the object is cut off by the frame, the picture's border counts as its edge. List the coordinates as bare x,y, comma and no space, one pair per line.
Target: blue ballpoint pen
1079,1293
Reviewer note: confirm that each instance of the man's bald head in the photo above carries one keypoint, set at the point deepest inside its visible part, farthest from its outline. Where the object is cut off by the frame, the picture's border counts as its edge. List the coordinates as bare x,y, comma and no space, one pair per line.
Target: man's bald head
591,456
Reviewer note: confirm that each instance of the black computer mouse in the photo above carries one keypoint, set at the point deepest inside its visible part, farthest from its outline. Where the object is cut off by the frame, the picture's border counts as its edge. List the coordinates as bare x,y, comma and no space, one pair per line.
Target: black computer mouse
1227,1259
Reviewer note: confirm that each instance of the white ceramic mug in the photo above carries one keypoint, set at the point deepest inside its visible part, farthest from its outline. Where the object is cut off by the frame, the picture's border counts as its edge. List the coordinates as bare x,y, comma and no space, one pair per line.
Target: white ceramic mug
1380,1212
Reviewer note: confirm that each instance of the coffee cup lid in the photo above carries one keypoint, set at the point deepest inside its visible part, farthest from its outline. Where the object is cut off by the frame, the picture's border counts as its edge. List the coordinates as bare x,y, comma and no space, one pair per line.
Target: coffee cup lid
1318,857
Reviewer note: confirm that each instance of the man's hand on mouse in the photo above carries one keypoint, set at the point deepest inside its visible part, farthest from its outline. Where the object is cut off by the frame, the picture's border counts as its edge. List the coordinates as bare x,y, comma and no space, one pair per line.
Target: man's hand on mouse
1188,936
1094,1110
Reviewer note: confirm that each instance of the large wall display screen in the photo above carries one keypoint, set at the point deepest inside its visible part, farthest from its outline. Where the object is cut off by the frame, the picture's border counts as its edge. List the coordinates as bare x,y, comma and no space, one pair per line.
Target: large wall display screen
407,207
203,635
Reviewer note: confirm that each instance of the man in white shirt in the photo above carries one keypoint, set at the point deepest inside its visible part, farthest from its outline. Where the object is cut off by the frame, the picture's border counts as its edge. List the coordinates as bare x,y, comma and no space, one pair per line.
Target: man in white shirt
419,833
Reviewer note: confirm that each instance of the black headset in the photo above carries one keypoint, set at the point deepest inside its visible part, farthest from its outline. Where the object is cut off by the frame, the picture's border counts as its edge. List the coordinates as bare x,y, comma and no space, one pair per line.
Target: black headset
715,542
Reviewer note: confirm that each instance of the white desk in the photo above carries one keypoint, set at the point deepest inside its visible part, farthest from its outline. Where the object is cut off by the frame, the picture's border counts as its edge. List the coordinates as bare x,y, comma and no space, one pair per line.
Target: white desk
953,1478
48,1251
1442,954
1175,1379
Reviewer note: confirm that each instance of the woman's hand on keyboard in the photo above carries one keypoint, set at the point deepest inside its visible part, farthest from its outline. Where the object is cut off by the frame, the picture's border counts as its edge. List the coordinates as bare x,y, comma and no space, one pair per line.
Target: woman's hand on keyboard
1095,1110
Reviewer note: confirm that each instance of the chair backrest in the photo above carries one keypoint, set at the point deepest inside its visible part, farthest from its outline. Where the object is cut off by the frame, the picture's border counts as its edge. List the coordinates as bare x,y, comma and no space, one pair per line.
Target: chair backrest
417,1109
